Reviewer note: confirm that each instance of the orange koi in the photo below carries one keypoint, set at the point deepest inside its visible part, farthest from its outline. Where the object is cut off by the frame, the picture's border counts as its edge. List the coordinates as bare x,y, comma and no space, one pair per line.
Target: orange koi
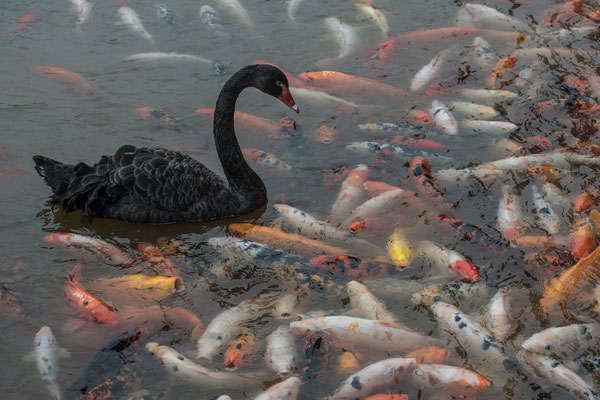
430,355
352,267
95,245
547,174
349,196
419,117
583,201
286,241
595,218
503,65
325,134
583,238
247,122
66,77
582,86
29,18
383,56
376,188
154,256
87,302
340,84
416,143
437,35
242,351
11,173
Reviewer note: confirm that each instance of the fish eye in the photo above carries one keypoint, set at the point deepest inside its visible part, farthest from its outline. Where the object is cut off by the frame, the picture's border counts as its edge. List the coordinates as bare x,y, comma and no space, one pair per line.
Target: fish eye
288,392
547,346
293,358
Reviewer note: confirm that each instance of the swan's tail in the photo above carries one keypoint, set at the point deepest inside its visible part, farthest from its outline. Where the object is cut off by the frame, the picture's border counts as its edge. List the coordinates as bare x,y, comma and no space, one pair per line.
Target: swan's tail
56,174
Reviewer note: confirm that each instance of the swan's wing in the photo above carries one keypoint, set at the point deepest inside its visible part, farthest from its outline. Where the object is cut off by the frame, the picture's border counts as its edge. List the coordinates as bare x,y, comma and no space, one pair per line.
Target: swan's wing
160,178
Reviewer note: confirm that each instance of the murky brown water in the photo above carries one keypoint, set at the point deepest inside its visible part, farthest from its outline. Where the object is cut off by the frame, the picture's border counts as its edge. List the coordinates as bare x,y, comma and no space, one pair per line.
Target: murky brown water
66,123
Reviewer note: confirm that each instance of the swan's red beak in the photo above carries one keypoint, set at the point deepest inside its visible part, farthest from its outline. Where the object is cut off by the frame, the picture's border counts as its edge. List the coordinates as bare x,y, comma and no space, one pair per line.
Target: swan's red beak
287,99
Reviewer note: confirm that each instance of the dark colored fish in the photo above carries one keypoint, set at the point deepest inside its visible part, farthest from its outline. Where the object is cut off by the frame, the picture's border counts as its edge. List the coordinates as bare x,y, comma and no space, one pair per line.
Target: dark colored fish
352,267
471,232
166,15
299,279
316,355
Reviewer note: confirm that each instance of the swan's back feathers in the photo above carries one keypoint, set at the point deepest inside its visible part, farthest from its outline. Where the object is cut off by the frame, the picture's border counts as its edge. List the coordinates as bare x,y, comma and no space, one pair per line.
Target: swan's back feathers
135,184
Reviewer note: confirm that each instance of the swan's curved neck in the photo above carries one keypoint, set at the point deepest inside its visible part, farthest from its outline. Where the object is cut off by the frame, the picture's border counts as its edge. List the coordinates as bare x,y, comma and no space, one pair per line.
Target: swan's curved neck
240,176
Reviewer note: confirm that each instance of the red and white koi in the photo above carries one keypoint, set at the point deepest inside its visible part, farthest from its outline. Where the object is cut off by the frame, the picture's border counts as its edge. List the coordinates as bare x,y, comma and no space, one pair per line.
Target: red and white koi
446,379
84,9
443,118
492,127
448,262
556,374
263,159
280,355
565,342
429,72
430,355
473,110
95,245
510,214
478,14
498,318
376,16
157,56
286,390
130,18
364,333
350,194
364,304
373,378
548,219
184,368
47,354
239,11
419,117
344,35
582,239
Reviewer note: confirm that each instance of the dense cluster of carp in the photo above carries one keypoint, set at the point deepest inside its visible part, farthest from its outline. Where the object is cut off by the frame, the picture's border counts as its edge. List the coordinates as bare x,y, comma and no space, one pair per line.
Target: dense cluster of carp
362,344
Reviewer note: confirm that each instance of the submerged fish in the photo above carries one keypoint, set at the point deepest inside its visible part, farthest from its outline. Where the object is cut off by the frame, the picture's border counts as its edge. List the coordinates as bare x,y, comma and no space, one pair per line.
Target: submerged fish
286,390
66,77
47,354
163,12
84,9
429,72
443,118
129,17
373,147
486,16
209,17
292,5
344,35
473,110
364,304
266,160
113,253
281,355
241,351
376,16
239,11
565,342
156,56
28,19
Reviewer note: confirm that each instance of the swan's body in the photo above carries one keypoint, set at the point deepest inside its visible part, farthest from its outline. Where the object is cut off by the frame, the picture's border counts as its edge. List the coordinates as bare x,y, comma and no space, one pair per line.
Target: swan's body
164,186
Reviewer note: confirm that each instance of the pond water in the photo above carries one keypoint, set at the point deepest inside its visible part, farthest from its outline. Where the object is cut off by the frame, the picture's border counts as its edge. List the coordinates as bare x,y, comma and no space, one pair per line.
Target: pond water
71,124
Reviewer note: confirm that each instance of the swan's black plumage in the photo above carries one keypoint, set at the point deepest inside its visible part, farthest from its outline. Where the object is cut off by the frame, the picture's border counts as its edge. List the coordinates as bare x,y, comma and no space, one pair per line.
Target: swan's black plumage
164,186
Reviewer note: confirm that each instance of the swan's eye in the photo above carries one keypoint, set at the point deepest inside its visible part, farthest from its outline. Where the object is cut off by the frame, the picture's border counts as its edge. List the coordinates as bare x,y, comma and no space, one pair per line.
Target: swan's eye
279,83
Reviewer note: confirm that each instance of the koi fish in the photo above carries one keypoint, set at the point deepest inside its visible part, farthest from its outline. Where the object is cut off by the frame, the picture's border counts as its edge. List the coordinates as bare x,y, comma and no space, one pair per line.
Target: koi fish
483,55
471,232
374,147
399,250
28,19
303,281
485,95
325,134
129,17
493,127
350,194
154,318
154,256
448,379
430,355
547,217
364,304
375,16
442,118
387,128
87,302
339,84
582,238
556,374
284,307
418,117
499,321
239,11
583,201
163,119
241,351
286,241
386,52
281,355
186,369
388,397
108,361
263,159
247,122
437,35
66,77
84,9
167,16
509,214
287,390
375,207
157,56
454,293
448,261
209,17
478,14
292,5
344,35
364,333
47,354
352,267
377,188
375,377
429,72
565,342
473,110
148,288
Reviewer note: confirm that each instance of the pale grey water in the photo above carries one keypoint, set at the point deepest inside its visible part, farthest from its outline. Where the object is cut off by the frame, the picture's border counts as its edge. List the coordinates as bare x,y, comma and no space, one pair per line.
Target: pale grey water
66,123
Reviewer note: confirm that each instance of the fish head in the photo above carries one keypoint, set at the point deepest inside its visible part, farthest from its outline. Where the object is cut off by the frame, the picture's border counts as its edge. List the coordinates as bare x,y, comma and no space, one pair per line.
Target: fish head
289,388
326,135
272,81
208,345
44,337
443,311
544,342
355,291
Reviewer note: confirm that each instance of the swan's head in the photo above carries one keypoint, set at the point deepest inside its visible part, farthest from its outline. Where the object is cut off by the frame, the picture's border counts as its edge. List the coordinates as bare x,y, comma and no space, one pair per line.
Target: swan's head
272,81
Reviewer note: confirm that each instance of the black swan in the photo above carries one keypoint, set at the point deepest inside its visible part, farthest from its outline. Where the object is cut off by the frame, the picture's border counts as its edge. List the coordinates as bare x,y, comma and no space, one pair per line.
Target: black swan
164,186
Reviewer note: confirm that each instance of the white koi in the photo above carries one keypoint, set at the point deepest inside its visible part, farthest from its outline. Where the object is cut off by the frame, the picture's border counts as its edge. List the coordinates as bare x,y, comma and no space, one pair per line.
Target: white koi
286,390
556,374
129,17
184,368
429,72
157,56
373,378
95,245
442,118
281,355
484,16
239,11
509,214
350,194
285,307
447,262
473,110
316,96
292,5
555,196
374,147
548,219
492,127
84,9
499,320
364,304
376,206
486,95
483,54
344,35
363,333
47,354
376,17
565,342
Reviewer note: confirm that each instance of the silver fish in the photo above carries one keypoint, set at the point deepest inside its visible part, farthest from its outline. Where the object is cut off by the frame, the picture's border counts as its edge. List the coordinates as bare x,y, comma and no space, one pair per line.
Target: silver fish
281,355
343,33
209,17
47,354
